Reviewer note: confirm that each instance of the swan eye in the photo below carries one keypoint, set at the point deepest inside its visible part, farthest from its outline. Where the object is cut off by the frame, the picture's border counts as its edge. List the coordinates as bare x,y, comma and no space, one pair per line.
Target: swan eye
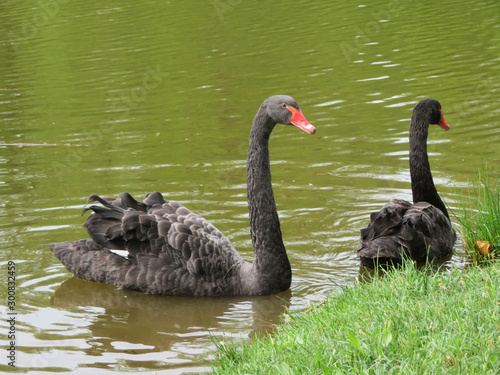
284,105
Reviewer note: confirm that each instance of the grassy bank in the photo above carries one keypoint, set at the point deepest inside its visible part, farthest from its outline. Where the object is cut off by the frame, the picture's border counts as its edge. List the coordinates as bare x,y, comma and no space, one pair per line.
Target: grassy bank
479,216
408,322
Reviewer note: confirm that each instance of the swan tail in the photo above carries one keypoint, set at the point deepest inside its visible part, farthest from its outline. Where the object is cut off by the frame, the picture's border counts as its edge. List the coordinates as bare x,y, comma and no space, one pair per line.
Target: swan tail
382,251
88,260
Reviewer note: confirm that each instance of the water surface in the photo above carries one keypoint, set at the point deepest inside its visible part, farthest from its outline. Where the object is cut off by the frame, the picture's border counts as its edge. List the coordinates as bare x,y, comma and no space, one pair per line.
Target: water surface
159,96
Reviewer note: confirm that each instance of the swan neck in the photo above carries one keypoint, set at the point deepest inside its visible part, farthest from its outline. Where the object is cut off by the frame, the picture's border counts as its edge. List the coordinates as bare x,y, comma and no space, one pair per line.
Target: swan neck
270,259
422,183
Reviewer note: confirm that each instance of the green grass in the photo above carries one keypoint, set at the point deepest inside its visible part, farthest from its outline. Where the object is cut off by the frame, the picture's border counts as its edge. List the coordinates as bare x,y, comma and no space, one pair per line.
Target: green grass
408,322
479,216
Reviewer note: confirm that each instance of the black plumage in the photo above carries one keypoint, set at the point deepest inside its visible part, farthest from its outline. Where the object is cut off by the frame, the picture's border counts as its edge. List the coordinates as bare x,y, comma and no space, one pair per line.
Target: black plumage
420,231
173,251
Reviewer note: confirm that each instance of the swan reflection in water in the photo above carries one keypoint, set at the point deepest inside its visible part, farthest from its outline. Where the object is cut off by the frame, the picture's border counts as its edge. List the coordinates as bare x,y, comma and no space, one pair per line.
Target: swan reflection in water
159,323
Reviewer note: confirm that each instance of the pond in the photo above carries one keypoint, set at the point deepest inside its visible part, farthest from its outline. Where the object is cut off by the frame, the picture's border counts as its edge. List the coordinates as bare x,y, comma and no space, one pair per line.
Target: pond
106,97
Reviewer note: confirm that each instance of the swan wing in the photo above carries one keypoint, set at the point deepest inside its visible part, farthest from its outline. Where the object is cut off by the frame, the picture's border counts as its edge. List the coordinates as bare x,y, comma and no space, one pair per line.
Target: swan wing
154,227
427,232
401,229
170,250
387,221
379,240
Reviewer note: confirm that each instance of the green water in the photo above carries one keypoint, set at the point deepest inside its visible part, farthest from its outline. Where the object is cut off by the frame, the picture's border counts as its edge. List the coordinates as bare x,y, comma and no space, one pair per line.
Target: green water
149,96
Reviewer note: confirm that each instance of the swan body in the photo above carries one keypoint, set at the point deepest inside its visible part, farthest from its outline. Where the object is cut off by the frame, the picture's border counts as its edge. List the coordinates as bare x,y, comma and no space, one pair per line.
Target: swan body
420,231
173,251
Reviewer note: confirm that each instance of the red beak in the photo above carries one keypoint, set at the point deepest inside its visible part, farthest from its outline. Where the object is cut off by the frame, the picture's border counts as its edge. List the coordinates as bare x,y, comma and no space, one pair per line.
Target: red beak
300,121
443,123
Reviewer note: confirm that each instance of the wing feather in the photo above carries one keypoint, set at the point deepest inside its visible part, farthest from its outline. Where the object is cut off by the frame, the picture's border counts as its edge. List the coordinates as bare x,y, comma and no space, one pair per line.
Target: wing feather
400,230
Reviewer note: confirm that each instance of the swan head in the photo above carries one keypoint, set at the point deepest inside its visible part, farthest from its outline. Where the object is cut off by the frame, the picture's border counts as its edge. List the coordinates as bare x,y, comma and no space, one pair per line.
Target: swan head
284,110
432,110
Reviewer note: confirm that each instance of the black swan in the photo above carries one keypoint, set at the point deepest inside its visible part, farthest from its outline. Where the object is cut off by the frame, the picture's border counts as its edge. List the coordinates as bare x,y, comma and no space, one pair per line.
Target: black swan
172,251
418,231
